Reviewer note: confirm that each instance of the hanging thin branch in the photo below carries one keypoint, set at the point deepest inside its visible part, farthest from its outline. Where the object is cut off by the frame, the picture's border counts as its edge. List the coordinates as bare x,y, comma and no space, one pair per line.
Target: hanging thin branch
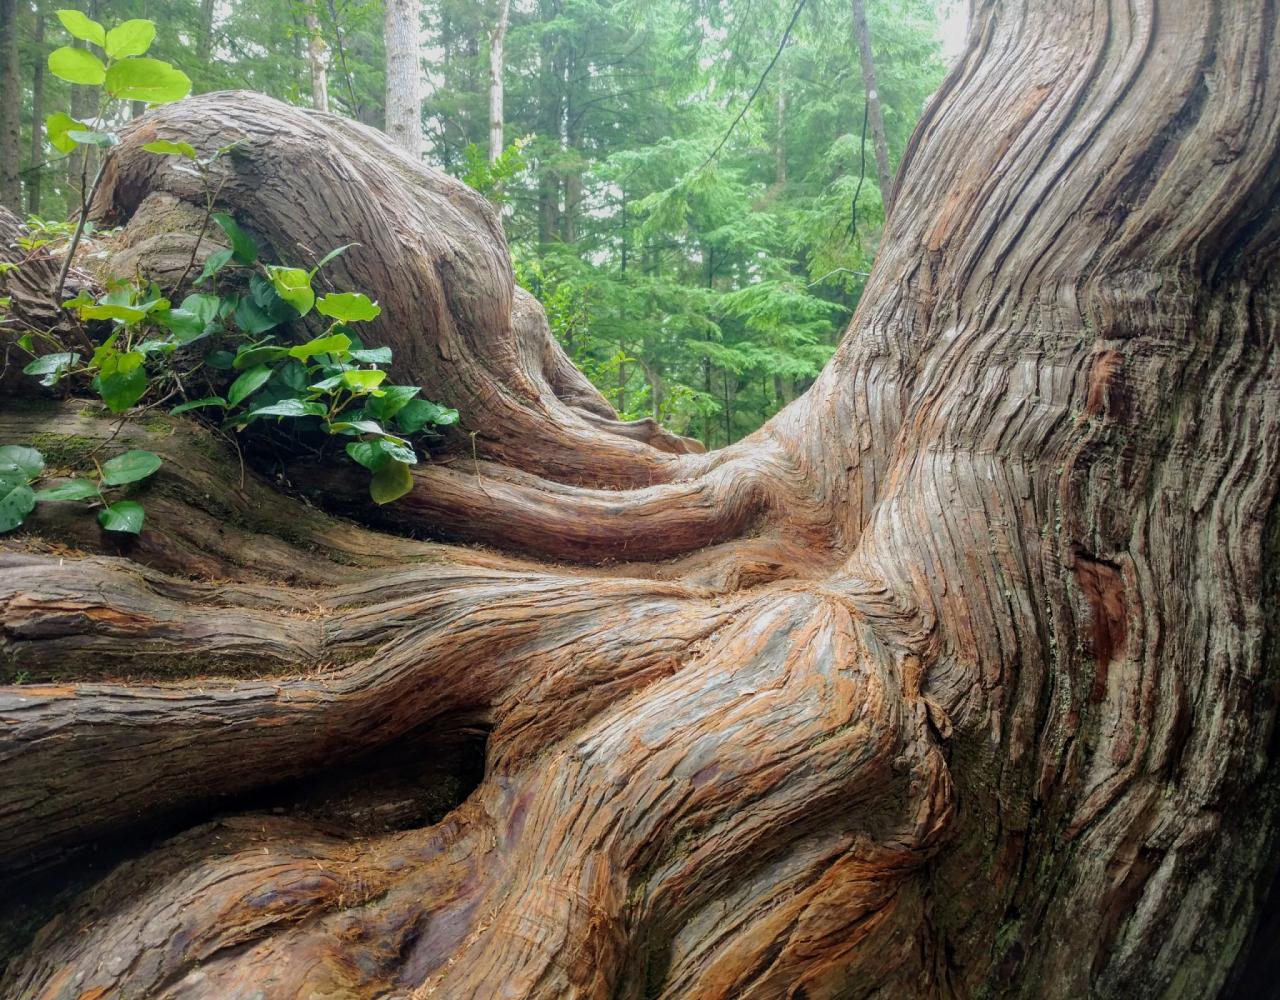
795,14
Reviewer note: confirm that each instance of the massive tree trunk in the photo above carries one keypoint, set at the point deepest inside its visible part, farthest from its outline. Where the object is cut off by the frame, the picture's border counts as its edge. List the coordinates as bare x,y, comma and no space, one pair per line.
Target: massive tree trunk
958,677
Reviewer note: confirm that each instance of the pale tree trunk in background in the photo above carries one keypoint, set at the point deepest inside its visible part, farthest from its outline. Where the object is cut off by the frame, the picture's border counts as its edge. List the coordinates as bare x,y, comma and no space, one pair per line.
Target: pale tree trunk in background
959,678
402,30
497,60
780,147
10,108
317,59
204,41
36,156
862,36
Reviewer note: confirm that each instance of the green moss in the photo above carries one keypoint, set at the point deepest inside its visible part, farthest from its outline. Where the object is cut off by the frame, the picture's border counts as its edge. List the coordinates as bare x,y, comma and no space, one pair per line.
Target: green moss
65,451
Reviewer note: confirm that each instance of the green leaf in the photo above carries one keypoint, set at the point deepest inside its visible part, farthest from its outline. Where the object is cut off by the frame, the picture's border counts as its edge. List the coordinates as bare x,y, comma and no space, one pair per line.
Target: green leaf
88,137
126,314
215,262
372,356
223,361
77,66
288,408
130,467
167,148
249,355
374,454
83,27
122,380
74,489
356,427
336,252
394,398
242,245
252,318
349,307
130,38
417,413
193,318
51,366
293,284
195,404
144,79
333,344
16,501
247,384
17,458
293,376
390,482
56,127
364,380
123,515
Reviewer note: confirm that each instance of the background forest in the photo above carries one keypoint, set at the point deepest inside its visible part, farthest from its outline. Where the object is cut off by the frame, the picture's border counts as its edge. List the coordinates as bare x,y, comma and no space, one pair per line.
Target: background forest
699,283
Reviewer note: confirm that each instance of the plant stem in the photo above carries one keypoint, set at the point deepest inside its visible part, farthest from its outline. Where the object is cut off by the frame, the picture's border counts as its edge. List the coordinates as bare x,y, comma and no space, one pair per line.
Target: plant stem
75,239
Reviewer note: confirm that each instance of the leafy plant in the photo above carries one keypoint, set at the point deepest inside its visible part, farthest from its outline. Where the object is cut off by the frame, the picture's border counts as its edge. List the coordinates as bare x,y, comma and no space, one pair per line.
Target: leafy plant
21,466
124,72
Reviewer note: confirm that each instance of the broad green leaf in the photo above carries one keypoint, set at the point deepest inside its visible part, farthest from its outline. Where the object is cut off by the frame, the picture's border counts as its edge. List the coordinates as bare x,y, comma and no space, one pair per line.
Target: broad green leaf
417,413
372,355
196,404
248,355
17,458
215,263
332,344
242,245
223,361
56,127
123,515
126,314
349,307
16,501
77,66
122,380
167,148
154,346
390,482
252,318
130,38
357,427
145,79
293,376
394,398
83,27
51,366
364,380
74,489
247,384
88,137
373,454
288,408
130,467
293,284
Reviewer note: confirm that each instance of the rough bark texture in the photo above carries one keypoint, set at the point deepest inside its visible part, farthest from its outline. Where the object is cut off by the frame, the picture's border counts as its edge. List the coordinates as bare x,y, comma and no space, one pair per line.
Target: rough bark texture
957,678
401,35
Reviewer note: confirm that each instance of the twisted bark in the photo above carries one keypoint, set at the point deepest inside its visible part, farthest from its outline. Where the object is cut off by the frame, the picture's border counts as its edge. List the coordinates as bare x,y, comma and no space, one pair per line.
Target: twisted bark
956,678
